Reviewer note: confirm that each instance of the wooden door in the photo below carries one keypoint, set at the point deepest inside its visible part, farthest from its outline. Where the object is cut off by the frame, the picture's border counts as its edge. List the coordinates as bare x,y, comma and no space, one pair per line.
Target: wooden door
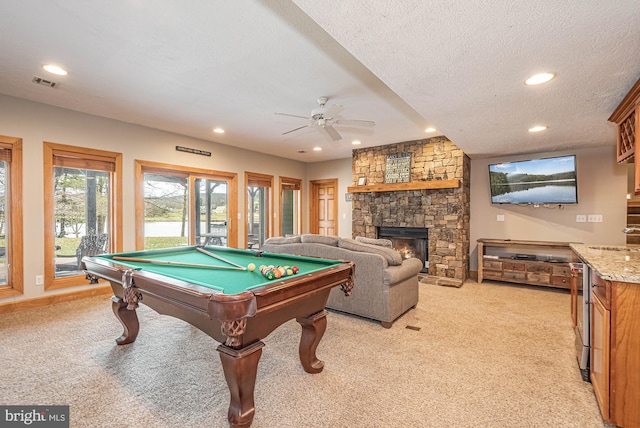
324,207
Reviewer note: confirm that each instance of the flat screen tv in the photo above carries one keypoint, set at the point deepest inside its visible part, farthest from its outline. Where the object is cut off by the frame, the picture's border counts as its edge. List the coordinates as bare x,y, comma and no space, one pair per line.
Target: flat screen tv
535,181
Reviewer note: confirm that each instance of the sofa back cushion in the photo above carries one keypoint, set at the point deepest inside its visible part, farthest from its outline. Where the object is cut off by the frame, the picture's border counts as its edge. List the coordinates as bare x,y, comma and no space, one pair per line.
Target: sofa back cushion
392,256
309,238
382,242
283,240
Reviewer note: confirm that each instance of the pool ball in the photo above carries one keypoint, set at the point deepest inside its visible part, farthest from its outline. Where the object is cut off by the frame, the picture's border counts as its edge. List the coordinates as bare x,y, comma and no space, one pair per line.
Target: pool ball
251,267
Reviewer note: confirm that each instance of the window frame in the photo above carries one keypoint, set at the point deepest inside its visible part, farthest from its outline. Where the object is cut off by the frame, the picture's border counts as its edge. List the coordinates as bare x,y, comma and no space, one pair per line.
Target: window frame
142,167
14,235
115,206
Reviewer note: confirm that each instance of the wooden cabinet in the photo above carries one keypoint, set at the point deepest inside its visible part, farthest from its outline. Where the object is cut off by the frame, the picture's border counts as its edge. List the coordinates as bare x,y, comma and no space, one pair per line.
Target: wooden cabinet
551,269
633,220
615,350
627,118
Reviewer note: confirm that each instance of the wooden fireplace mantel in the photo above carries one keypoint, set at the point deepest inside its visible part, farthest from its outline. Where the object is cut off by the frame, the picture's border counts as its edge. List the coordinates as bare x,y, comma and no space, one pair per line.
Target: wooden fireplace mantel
415,185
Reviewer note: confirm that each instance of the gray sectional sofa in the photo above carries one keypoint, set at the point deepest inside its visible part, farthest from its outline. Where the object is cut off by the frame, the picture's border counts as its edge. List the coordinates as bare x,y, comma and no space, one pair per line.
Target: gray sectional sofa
385,285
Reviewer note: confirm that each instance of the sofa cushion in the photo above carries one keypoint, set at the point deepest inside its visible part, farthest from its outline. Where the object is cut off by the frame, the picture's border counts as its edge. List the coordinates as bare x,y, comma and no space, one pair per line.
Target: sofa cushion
392,256
308,238
283,240
382,242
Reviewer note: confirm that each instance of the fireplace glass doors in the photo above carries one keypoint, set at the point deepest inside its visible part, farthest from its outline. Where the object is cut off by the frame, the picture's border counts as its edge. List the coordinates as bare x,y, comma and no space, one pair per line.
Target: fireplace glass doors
409,241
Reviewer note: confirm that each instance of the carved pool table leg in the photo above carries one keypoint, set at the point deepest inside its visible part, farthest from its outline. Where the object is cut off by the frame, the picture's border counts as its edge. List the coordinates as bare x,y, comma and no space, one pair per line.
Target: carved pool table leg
128,319
240,370
313,328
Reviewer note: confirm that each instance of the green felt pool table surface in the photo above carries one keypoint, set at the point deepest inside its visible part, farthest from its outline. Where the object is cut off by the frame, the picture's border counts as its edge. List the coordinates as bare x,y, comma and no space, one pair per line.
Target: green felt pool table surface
223,277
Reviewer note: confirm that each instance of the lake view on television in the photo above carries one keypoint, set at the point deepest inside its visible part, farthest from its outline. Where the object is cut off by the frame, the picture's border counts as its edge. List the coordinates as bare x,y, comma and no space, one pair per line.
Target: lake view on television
539,181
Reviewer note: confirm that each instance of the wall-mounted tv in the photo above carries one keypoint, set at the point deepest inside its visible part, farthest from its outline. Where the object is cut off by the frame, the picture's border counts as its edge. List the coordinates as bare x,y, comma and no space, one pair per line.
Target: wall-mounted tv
535,181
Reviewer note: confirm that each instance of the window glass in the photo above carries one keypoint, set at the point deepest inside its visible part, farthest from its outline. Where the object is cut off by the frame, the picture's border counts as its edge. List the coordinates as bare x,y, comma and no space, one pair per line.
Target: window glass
257,211
166,211
81,217
212,206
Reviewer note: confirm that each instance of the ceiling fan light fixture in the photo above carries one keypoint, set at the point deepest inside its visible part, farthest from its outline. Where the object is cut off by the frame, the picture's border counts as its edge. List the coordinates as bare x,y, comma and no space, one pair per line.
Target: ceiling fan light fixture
54,69
539,78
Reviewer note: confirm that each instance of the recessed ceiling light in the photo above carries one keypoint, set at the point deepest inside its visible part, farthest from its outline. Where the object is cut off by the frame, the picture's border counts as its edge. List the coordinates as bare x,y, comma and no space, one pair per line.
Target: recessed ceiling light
356,142
539,78
317,149
54,69
430,129
537,128
218,130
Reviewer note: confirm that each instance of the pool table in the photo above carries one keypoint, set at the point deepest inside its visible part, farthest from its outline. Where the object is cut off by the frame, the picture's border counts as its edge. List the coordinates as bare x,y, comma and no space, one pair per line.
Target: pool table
237,307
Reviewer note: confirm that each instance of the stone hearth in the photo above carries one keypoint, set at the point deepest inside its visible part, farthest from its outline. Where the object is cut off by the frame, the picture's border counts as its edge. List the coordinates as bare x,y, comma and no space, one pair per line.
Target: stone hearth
445,212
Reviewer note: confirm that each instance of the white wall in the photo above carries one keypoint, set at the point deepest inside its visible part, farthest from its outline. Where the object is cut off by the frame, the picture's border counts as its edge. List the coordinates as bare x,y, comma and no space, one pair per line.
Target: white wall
35,123
602,188
340,169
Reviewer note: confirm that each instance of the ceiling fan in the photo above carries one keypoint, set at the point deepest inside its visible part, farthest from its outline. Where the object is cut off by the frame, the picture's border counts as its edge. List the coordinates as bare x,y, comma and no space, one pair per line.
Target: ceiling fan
324,118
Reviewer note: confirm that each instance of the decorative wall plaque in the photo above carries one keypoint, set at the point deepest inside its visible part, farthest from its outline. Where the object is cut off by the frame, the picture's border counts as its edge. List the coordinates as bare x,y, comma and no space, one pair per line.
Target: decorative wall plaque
398,168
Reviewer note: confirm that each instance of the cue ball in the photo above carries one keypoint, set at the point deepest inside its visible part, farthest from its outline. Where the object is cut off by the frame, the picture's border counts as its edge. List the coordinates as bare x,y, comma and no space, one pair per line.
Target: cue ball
251,267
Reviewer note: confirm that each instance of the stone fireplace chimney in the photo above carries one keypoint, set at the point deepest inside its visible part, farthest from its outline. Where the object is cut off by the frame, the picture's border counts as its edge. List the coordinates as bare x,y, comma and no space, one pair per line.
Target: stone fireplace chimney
435,197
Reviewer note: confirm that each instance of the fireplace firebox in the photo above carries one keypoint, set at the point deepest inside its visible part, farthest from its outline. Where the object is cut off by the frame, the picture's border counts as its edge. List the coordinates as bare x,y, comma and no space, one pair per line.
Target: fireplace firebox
409,241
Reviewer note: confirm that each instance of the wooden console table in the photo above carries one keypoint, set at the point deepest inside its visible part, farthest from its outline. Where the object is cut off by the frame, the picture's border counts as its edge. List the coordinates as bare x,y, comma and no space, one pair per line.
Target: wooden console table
550,270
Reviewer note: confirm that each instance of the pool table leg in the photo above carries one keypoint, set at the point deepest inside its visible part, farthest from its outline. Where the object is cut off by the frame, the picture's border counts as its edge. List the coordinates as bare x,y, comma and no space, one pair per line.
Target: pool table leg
240,370
313,328
128,319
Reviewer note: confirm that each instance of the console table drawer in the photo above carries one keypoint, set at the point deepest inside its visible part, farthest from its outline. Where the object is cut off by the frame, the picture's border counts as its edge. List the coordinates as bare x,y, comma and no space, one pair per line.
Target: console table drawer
539,267
513,276
561,281
518,266
539,278
491,274
492,264
561,271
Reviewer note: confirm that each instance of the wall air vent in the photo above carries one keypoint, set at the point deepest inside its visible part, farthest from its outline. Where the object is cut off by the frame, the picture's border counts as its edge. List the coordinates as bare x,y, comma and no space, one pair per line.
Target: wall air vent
45,82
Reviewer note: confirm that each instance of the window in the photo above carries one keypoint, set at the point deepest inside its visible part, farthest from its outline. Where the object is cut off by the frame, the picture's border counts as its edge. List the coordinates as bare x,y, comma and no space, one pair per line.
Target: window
184,206
11,258
83,215
290,200
259,208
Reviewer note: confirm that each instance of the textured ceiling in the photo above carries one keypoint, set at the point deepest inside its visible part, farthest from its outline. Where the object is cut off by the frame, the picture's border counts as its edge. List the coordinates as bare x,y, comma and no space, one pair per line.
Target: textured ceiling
189,67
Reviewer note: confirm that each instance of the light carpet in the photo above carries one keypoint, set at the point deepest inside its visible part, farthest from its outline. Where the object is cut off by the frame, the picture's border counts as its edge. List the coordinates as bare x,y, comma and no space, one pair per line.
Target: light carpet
485,355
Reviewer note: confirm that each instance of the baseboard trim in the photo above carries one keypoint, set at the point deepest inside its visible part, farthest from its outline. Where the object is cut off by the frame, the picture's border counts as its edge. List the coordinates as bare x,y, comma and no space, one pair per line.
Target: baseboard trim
39,302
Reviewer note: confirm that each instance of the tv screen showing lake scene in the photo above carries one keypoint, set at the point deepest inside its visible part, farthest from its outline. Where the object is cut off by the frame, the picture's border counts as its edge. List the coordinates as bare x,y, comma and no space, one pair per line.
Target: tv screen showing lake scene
536,181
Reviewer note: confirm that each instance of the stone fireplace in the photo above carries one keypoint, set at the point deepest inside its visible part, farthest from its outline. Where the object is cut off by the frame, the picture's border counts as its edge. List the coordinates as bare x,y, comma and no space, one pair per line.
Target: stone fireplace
436,198
409,241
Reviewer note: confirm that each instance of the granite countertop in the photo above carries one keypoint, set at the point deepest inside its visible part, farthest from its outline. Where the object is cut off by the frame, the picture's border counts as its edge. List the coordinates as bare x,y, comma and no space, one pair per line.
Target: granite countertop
612,262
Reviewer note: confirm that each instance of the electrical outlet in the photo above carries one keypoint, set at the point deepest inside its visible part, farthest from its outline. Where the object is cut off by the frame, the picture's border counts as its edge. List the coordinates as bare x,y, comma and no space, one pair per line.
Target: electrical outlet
500,217
581,218
594,218
39,280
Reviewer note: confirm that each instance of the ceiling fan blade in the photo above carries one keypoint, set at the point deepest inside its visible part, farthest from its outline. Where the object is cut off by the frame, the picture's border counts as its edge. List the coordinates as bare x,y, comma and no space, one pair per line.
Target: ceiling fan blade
331,132
368,123
333,111
295,129
292,115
